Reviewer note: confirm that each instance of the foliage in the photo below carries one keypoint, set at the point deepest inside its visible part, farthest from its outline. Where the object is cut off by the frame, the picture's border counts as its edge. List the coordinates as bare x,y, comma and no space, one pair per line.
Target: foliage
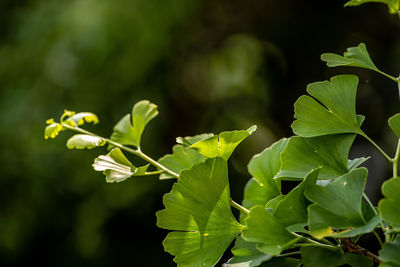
317,223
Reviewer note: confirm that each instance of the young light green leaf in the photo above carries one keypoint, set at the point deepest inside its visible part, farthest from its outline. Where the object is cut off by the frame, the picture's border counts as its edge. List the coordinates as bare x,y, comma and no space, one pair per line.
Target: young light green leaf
354,163
80,118
337,205
262,187
82,141
190,140
128,131
394,123
354,57
52,130
314,256
389,254
262,227
181,158
198,211
222,145
302,155
331,112
393,5
246,254
116,167
389,206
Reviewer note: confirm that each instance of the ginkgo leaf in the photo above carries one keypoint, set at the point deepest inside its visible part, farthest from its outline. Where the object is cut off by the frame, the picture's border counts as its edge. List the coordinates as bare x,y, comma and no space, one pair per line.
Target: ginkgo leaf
180,159
264,166
190,140
394,123
354,57
198,211
393,5
389,254
82,141
245,254
222,145
271,236
354,163
302,155
52,130
128,131
337,205
80,118
313,256
116,167
331,112
389,206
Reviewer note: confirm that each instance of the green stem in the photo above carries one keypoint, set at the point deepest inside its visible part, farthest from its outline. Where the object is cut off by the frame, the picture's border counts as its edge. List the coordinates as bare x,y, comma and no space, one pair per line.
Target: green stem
378,237
142,155
388,76
396,161
239,207
398,85
377,147
289,254
316,243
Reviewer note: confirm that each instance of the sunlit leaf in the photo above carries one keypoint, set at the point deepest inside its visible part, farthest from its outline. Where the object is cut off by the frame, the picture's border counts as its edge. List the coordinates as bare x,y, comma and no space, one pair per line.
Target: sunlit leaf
394,123
262,227
198,211
52,130
262,187
337,205
393,5
190,140
314,256
180,159
389,206
82,141
354,57
390,253
116,167
245,254
302,155
331,112
80,118
222,145
128,131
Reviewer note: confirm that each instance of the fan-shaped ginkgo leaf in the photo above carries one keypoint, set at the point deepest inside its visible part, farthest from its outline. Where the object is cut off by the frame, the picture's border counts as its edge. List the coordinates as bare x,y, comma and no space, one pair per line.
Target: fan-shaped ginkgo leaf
331,112
82,141
198,211
128,131
389,206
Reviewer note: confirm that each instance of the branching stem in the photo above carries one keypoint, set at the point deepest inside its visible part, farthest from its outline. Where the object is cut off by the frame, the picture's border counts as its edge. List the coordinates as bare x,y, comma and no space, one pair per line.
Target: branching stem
142,155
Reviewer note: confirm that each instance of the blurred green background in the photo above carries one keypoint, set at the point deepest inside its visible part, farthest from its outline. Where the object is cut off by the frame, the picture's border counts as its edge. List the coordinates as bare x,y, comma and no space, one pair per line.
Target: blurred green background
209,66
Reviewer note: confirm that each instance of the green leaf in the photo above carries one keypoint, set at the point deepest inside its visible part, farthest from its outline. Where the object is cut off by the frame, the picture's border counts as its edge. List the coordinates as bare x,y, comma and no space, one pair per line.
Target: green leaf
116,167
354,57
82,117
389,206
320,257
393,5
52,130
128,131
82,141
338,204
331,112
246,254
262,187
262,227
222,145
389,254
180,159
302,155
394,123
198,211
190,140
354,163
293,208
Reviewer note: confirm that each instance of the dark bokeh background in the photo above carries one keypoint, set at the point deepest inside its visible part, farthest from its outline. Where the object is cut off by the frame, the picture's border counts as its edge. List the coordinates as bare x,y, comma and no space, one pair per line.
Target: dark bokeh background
209,65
